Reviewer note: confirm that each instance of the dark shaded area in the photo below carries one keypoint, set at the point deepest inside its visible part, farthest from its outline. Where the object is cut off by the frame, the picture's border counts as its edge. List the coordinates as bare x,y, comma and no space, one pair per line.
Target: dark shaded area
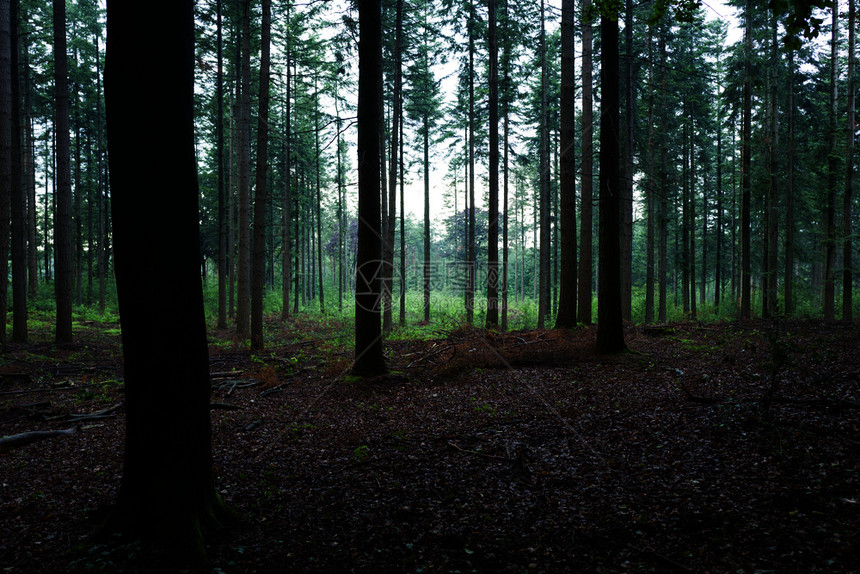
719,448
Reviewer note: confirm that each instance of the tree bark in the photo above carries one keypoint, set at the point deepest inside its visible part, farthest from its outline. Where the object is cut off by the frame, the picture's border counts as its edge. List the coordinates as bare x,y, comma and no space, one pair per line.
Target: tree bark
627,197
848,197
470,265
6,79
566,316
544,199
788,280
832,177
19,209
167,494
243,287
772,200
610,327
369,359
63,220
392,166
746,164
493,198
586,209
222,207
287,215
261,189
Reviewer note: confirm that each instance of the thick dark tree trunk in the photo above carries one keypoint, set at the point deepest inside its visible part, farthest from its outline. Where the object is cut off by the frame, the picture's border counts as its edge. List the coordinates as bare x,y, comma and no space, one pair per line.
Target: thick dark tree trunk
610,327
369,359
261,191
63,221
167,493
566,316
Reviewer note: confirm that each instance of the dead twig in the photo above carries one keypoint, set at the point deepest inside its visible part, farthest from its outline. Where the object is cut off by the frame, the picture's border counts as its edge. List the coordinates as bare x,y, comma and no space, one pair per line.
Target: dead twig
456,447
17,440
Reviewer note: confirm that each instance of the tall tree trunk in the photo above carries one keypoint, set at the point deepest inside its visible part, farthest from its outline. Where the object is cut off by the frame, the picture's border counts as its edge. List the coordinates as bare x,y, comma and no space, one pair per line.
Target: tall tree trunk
388,320
685,215
493,199
6,157
789,195
692,198
566,316
848,197
586,209
426,138
318,206
103,256
650,188
63,220
287,204
506,134
261,191
772,202
29,165
402,165
78,189
222,204
610,327
627,185
167,493
243,287
470,266
832,176
369,359
746,165
663,216
544,198
718,266
19,210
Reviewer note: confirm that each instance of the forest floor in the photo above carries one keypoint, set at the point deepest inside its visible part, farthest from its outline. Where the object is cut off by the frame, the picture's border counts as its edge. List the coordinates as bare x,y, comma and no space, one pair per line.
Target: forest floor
729,447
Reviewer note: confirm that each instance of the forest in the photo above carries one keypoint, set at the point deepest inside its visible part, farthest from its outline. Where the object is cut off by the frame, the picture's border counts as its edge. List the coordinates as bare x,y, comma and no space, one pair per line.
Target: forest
430,286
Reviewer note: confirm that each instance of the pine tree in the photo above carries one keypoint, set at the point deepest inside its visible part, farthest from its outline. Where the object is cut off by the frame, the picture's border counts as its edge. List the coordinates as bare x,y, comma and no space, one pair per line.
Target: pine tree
63,223
566,316
261,186
167,493
369,359
610,328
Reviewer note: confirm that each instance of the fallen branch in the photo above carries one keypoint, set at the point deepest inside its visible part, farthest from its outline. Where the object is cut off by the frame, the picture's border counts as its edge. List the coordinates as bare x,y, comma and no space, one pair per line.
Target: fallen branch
699,399
273,390
62,388
17,440
106,413
477,453
224,407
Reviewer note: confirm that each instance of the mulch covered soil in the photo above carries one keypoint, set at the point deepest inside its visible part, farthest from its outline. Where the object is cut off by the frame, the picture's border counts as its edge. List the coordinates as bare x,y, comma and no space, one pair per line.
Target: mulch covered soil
709,448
